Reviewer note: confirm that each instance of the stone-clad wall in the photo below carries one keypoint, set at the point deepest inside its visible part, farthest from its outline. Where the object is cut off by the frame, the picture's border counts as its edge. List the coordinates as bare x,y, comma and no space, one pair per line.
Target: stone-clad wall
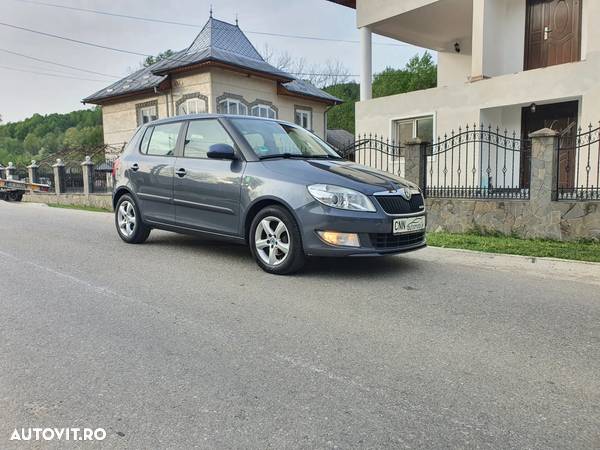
561,221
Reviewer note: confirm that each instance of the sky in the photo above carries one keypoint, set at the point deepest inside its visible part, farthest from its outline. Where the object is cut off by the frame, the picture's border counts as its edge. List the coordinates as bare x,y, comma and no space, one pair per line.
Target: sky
61,89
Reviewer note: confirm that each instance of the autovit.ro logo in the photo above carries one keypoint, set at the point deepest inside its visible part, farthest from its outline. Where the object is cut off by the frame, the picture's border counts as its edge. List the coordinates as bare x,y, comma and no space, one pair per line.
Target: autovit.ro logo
58,434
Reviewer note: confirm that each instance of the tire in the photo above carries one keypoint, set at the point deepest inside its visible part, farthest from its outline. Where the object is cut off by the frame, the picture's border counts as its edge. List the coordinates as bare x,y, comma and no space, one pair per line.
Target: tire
128,221
268,241
15,196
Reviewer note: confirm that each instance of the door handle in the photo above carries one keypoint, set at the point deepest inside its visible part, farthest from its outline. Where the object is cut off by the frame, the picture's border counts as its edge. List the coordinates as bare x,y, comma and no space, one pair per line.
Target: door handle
135,167
181,172
547,31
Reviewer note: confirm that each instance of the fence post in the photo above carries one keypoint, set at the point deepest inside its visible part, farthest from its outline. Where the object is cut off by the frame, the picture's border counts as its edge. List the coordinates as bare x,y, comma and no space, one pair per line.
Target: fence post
87,169
32,170
544,165
10,171
415,162
59,177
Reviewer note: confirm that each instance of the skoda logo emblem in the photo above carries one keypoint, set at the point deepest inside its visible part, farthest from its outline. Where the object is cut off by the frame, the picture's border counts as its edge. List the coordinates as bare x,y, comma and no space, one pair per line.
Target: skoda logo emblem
406,194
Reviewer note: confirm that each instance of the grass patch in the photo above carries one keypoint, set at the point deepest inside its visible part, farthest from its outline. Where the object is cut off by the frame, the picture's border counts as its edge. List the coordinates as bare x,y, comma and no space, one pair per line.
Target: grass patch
580,250
80,207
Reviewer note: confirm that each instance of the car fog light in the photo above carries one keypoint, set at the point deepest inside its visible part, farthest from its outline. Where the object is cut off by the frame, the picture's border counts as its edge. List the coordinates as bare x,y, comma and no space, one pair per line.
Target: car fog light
343,239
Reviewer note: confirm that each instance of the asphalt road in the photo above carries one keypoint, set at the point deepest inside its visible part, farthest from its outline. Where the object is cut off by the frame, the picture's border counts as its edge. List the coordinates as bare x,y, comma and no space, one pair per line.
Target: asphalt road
183,342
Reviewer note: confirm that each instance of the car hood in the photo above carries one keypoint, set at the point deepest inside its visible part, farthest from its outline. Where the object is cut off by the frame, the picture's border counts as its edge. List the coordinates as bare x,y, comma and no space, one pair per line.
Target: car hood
340,172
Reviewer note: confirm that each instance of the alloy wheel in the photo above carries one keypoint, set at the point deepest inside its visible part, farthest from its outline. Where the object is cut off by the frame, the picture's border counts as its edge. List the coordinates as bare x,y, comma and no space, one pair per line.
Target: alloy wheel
272,241
126,218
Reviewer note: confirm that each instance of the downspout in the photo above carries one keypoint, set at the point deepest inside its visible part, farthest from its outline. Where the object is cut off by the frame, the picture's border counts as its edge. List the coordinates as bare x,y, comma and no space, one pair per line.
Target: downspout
325,120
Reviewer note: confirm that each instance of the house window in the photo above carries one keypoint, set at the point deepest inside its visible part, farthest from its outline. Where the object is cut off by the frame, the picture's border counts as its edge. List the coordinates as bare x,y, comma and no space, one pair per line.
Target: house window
146,112
263,110
303,117
191,106
230,105
418,127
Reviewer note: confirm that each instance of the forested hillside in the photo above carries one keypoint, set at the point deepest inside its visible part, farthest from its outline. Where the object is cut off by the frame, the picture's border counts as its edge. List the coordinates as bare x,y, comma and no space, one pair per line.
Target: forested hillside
40,136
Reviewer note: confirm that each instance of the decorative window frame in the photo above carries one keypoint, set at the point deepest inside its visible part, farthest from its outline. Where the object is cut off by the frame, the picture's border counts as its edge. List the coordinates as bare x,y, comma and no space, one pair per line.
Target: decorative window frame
259,102
140,106
305,109
228,95
186,97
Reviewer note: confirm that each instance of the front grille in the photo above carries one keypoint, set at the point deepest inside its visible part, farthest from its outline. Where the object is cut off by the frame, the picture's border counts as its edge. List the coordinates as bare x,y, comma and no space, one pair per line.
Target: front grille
395,204
386,241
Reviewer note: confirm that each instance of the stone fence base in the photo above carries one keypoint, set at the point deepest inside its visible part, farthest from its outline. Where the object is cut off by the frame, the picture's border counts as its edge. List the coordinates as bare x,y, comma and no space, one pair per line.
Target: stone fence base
564,221
94,200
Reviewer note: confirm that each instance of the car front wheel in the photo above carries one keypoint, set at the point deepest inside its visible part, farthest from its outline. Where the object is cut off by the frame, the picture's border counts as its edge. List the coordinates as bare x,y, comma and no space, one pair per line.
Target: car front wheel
275,241
128,221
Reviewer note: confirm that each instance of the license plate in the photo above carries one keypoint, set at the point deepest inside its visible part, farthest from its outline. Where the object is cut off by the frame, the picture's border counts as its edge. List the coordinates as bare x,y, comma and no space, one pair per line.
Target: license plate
408,225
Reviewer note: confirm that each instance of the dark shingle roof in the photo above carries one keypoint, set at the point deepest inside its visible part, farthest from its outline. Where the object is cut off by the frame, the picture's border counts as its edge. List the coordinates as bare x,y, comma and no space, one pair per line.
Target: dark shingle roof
140,80
302,87
223,42
220,42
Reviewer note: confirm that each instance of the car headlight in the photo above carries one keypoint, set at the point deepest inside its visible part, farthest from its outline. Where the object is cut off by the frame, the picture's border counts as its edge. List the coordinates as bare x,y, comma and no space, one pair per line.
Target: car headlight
341,197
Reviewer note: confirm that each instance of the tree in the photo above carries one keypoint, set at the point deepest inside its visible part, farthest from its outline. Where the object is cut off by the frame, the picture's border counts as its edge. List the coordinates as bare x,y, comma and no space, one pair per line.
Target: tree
419,73
154,59
330,73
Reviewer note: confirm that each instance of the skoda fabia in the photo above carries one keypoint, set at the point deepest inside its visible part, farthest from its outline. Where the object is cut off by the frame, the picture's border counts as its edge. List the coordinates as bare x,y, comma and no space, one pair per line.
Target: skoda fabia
266,183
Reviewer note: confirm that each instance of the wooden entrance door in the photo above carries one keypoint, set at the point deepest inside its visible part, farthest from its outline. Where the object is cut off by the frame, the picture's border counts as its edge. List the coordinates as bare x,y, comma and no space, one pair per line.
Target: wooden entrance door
553,33
561,117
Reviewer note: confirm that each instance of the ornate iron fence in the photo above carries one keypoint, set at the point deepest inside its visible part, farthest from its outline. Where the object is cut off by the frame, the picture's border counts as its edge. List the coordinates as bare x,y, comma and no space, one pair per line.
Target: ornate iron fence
578,166
46,174
73,177
478,162
102,177
21,173
376,152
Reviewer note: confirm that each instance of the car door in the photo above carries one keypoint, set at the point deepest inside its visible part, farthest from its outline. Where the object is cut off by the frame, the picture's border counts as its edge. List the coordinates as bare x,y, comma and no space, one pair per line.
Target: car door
152,172
207,191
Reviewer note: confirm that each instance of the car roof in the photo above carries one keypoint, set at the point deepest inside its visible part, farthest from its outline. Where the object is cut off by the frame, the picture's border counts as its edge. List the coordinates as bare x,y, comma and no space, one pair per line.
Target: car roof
213,116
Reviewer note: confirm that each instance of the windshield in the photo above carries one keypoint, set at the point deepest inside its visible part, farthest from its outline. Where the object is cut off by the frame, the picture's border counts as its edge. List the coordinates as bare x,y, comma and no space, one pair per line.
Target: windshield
273,139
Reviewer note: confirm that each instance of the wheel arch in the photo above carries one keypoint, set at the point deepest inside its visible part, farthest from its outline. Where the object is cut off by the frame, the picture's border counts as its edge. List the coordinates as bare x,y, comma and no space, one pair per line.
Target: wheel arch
122,190
255,207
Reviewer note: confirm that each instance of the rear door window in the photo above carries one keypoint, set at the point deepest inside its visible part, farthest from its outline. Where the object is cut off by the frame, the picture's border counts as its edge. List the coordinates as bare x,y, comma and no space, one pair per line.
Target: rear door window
201,134
163,140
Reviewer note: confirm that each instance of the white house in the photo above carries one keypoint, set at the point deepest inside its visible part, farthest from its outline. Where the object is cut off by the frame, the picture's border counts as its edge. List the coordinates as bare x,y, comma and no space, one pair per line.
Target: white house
517,64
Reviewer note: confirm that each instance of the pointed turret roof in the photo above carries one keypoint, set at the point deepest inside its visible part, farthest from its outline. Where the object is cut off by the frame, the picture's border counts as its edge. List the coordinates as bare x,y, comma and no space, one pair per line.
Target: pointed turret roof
224,43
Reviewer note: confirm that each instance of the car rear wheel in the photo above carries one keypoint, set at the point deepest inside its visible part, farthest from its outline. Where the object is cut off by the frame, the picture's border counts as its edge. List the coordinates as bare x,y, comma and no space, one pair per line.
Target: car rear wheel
128,221
275,241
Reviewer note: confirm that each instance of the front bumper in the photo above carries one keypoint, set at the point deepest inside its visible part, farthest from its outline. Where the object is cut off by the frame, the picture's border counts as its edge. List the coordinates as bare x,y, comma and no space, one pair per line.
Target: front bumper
374,231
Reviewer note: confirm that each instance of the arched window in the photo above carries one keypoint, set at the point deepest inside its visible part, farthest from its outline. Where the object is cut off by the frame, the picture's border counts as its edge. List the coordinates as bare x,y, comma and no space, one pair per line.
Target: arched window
229,105
195,105
262,110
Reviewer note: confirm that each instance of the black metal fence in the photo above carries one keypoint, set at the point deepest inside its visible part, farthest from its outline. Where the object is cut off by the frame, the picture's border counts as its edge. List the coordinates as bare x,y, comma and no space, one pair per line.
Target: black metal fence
73,177
102,177
578,168
375,151
46,174
478,162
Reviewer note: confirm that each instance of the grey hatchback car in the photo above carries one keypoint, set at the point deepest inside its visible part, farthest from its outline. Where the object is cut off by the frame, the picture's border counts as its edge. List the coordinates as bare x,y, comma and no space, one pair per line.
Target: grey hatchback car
266,183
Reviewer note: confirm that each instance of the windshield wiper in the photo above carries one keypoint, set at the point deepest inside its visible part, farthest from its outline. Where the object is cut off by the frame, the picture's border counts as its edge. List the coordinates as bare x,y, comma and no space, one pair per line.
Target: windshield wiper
282,155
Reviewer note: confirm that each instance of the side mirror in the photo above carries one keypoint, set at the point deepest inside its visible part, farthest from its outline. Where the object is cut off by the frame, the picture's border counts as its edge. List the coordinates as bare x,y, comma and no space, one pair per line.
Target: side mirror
221,151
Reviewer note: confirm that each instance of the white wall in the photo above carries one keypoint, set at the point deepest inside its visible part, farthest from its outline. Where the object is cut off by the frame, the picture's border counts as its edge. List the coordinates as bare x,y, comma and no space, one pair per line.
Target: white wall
453,68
